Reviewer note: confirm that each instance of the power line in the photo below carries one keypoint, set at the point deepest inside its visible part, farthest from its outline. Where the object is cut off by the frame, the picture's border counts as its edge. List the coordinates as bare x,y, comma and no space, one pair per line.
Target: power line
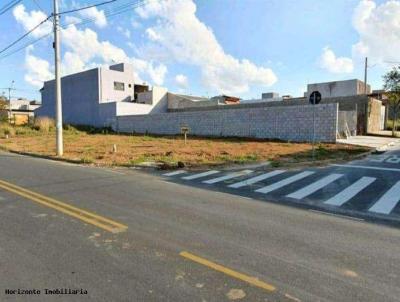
113,12
25,46
24,35
9,6
119,10
45,20
38,5
86,7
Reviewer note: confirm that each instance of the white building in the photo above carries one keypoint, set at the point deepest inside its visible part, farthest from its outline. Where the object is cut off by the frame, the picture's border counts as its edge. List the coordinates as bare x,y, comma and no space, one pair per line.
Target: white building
95,97
338,88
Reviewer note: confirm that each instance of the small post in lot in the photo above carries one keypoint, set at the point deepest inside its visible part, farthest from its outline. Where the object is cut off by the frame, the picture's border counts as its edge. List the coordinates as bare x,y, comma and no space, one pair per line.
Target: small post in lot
185,131
315,98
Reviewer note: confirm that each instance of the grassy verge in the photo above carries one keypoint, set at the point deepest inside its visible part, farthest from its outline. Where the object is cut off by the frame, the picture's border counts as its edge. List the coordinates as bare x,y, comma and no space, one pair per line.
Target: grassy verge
390,126
96,146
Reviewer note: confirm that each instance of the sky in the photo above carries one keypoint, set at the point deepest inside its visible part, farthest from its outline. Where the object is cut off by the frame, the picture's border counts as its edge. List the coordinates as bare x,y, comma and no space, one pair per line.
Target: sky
206,47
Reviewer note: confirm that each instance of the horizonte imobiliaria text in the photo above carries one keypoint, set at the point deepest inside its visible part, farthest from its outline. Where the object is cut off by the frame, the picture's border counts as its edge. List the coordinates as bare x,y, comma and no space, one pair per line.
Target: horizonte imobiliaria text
46,291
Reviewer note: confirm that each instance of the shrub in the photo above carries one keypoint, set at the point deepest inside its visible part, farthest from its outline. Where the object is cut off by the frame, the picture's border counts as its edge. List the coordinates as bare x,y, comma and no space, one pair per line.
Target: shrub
71,129
390,124
44,124
25,130
6,129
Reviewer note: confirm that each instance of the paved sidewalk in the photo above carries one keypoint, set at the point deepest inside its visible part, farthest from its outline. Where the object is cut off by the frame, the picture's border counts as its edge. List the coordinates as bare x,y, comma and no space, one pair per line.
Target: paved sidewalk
378,142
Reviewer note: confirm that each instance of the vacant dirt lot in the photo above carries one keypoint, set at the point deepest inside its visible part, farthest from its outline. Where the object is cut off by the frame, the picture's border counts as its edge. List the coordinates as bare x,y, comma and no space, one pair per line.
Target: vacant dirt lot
131,150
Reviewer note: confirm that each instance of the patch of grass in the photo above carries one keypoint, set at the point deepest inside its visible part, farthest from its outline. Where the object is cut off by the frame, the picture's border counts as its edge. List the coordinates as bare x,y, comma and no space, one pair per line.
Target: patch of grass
248,158
44,124
390,124
87,160
6,129
25,130
90,145
91,129
275,163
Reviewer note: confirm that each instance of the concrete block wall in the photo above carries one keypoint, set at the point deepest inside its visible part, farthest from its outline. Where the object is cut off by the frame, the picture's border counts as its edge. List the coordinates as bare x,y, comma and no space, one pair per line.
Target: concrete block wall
292,123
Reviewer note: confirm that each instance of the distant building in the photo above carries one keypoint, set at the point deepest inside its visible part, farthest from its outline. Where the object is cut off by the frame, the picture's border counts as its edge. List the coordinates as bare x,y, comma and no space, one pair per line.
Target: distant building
95,97
22,110
106,95
226,100
338,88
269,95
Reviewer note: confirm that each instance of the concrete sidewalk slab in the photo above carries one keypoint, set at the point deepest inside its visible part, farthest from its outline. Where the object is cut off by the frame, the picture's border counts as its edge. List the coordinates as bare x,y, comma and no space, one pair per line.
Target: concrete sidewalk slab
377,142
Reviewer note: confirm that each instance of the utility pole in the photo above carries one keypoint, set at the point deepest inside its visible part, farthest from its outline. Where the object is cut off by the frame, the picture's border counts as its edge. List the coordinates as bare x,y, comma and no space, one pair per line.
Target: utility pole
59,126
9,101
365,75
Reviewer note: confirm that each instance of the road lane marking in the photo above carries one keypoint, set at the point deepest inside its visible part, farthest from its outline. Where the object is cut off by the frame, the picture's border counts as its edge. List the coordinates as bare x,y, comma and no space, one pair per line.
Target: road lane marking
175,173
228,176
227,271
388,201
351,191
194,176
88,217
314,187
367,167
284,182
258,178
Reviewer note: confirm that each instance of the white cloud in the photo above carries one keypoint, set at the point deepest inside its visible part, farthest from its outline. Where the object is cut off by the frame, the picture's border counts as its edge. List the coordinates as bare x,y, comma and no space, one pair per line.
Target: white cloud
72,20
84,47
38,70
31,19
378,27
135,24
179,35
97,15
83,50
126,32
333,64
152,34
182,81
157,73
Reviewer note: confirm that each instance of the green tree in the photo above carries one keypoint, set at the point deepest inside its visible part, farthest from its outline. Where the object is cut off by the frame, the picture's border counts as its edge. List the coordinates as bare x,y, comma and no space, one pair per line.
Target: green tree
3,110
392,86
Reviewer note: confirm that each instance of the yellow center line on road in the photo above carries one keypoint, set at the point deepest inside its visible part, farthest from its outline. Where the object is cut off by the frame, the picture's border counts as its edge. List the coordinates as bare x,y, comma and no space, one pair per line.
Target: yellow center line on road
227,271
88,217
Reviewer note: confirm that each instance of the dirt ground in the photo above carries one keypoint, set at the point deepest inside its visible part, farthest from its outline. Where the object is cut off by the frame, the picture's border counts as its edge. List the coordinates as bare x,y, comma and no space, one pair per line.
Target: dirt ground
131,150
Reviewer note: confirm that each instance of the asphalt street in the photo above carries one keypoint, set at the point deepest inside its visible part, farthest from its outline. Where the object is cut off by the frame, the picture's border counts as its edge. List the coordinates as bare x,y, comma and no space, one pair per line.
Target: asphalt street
368,188
126,235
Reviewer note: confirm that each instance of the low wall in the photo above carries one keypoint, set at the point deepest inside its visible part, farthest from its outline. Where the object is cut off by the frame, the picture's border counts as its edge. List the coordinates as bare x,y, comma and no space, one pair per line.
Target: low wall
294,123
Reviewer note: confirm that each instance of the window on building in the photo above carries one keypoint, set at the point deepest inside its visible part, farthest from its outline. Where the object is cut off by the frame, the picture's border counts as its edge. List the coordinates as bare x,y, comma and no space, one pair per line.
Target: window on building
119,86
130,85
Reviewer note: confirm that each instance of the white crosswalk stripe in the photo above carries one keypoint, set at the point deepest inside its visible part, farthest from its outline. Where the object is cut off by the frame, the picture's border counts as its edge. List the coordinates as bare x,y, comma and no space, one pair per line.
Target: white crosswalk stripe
255,179
388,201
284,182
308,190
385,205
228,176
351,191
199,175
175,173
